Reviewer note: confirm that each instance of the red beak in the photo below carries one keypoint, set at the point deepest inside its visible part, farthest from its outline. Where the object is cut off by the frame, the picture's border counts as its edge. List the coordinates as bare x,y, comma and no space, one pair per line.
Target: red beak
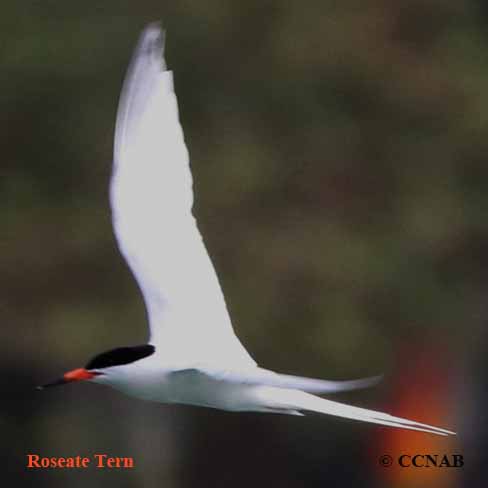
78,374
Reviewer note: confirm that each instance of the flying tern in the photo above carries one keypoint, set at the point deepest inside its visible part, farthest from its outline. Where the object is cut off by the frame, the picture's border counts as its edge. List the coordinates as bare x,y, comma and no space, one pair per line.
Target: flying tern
193,355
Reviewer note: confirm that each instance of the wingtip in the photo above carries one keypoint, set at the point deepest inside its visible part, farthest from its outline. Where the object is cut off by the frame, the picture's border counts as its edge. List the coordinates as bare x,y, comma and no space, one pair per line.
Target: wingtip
152,38
372,380
153,30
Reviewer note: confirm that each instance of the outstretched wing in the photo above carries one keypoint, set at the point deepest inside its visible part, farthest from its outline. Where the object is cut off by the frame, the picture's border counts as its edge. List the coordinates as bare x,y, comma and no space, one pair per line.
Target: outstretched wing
266,377
151,197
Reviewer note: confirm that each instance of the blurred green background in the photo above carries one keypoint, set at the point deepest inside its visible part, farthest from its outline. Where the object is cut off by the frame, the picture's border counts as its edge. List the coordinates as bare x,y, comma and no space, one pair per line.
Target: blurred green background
339,157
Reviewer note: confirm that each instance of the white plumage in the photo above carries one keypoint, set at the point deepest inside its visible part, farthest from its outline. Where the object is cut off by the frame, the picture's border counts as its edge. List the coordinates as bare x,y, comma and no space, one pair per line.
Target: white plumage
197,359
151,196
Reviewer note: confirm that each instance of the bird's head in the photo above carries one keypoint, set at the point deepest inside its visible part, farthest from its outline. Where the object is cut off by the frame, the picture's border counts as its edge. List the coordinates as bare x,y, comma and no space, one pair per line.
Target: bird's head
101,364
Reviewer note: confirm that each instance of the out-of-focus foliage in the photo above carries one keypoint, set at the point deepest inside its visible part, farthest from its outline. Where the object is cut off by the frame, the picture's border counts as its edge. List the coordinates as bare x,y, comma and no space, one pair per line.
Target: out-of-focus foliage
339,157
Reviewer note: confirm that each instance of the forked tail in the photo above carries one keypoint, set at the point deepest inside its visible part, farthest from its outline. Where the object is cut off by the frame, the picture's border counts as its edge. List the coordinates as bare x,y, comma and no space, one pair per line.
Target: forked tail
291,401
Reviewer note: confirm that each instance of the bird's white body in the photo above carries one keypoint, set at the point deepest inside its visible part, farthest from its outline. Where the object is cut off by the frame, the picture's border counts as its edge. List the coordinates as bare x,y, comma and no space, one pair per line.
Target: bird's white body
197,358
208,385
152,382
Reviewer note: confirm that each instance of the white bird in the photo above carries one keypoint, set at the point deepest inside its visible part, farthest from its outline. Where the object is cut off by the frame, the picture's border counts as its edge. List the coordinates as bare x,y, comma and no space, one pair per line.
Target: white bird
193,355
